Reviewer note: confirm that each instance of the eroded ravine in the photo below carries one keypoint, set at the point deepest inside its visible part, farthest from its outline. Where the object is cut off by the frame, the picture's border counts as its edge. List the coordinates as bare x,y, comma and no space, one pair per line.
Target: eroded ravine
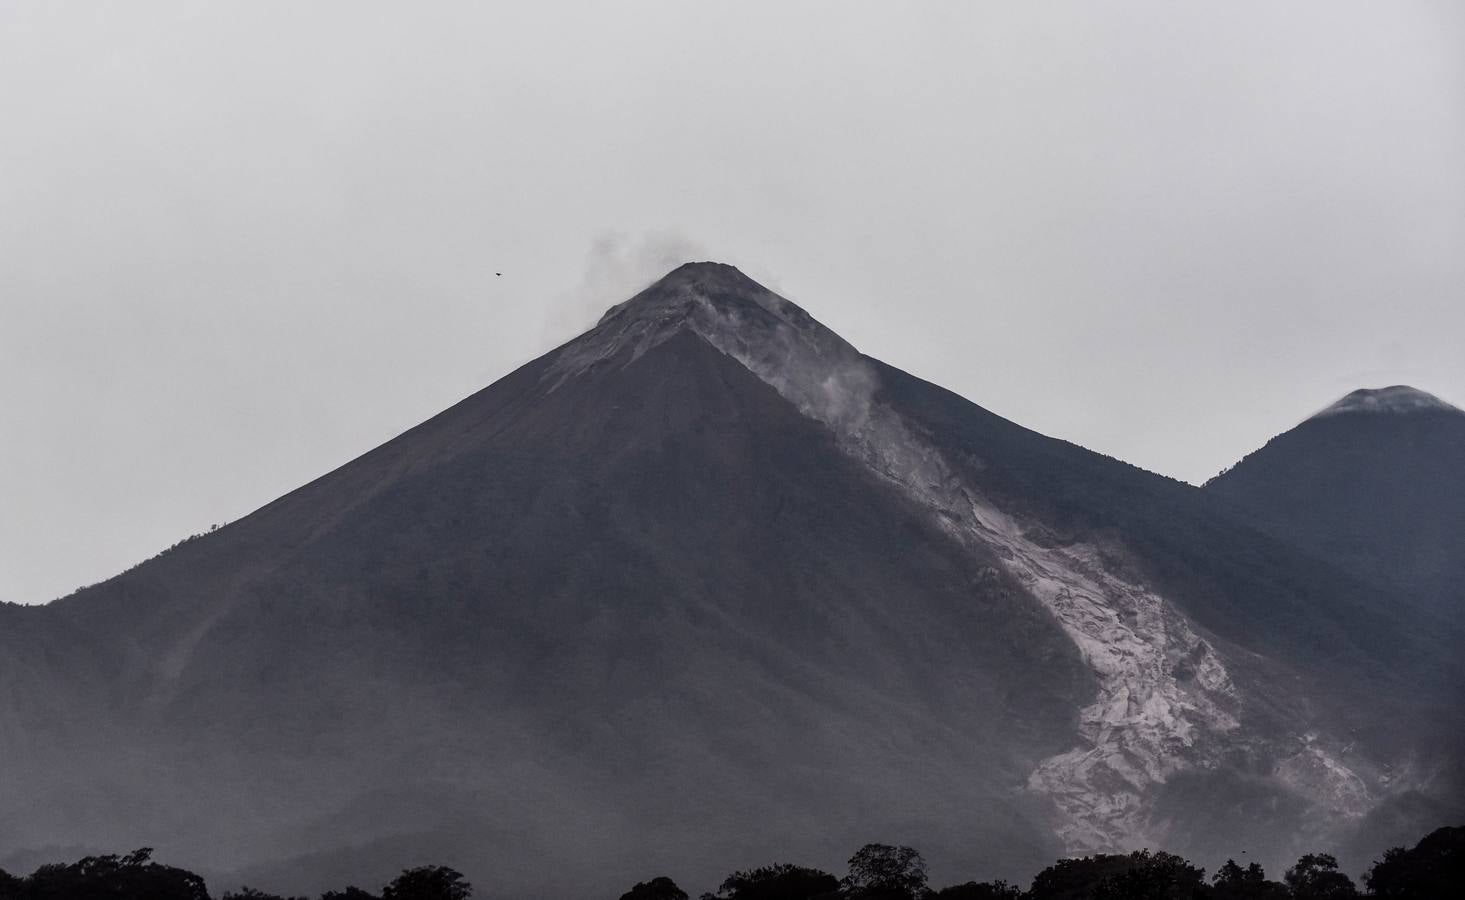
1165,702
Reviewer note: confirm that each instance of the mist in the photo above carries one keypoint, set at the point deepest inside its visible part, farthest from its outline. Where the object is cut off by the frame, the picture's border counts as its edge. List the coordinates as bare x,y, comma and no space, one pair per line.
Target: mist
247,242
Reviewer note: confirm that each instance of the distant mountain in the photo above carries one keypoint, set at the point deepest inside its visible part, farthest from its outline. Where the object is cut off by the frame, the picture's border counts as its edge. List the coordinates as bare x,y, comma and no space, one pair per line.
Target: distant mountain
706,586
1375,484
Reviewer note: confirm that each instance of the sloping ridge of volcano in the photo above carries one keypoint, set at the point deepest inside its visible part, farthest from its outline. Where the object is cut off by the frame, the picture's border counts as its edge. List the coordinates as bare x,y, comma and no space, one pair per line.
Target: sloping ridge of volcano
703,588
1375,483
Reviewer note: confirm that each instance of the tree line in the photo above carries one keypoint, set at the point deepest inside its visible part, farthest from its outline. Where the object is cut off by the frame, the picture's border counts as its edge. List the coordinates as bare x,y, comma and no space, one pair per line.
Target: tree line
1434,869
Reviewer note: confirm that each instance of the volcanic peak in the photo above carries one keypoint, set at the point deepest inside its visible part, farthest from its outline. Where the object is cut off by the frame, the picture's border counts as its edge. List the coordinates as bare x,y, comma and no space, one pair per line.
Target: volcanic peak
771,336
686,280
704,287
1396,399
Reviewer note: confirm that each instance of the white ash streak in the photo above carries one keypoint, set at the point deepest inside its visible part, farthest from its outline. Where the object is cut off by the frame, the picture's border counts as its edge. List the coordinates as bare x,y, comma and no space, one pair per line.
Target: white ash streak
1165,700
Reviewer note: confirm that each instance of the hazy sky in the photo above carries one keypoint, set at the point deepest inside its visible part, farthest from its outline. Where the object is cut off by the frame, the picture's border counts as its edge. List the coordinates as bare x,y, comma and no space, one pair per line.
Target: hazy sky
241,243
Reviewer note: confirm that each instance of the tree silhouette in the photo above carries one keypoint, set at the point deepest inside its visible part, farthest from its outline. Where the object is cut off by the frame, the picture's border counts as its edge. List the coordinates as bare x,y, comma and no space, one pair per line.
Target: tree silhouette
1141,875
1235,883
882,871
10,886
249,893
1434,868
1154,876
780,881
1316,877
659,888
980,890
428,883
131,877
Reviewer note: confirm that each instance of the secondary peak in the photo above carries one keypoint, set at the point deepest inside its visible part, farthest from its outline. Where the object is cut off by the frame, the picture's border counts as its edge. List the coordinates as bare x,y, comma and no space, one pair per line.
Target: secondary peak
1395,399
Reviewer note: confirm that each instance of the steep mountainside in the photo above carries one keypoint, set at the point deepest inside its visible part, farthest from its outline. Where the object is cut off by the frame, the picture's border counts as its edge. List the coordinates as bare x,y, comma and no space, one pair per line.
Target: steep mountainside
707,586
1375,484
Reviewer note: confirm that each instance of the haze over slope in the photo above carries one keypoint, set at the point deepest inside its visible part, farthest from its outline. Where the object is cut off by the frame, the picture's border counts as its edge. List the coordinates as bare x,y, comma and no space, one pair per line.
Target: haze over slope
706,585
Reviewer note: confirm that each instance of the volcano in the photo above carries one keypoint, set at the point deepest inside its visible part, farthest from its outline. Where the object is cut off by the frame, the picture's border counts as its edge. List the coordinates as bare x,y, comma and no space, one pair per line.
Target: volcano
1374,483
706,588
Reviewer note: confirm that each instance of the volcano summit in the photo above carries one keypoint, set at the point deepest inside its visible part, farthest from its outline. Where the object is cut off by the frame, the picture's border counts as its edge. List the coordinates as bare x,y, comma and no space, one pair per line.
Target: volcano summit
708,585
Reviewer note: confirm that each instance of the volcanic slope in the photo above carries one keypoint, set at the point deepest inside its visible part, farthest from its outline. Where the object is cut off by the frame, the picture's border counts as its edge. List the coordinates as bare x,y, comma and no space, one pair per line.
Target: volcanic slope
703,588
1375,483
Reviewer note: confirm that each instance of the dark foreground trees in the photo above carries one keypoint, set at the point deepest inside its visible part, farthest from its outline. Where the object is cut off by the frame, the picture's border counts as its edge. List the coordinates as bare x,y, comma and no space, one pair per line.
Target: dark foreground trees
1316,877
1141,875
883,872
428,883
659,888
1235,883
980,890
780,881
131,877
421,883
136,877
1434,869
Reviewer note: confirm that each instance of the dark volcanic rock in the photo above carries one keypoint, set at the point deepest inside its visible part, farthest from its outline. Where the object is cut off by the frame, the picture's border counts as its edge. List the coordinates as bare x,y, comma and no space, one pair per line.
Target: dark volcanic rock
702,589
1375,484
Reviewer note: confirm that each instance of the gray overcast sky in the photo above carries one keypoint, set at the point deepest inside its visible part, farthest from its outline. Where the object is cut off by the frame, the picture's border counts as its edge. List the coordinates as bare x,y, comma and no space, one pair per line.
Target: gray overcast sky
241,243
